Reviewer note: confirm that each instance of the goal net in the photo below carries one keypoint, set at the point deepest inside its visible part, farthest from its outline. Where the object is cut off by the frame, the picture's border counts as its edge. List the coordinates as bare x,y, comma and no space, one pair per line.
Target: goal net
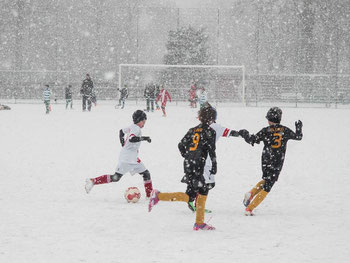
222,83
29,84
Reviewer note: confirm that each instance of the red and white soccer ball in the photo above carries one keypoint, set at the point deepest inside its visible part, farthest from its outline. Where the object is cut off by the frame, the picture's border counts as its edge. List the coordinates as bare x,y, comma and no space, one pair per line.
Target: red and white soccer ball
132,195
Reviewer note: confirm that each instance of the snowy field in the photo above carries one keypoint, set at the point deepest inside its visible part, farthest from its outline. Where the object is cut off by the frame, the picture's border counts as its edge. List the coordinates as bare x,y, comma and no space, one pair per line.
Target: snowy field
46,216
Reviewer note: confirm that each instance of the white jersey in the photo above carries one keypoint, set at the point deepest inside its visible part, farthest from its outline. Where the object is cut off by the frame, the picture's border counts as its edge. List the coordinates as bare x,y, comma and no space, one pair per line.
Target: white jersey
220,132
130,150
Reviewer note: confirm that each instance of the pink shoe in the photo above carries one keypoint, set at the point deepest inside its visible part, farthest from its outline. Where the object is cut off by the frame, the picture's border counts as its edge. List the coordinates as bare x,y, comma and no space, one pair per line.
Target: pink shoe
248,212
153,199
203,226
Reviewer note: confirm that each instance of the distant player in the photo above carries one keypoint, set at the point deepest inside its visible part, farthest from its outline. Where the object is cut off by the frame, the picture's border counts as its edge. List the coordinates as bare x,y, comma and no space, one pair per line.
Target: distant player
47,98
202,97
124,93
128,158
275,138
198,143
163,97
208,176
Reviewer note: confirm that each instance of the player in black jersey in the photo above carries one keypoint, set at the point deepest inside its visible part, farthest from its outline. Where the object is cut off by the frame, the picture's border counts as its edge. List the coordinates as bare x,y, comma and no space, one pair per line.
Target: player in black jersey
275,138
196,145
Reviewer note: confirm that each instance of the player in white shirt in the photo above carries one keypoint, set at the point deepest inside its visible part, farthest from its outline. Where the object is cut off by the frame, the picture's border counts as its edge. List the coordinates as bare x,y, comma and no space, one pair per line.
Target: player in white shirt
128,158
210,178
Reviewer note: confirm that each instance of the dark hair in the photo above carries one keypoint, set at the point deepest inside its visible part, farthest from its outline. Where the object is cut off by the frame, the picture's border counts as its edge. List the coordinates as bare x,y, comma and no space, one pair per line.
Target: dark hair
207,114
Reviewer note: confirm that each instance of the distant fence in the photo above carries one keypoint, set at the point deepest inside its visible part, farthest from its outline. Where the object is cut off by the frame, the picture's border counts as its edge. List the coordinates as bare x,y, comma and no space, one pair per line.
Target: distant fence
294,90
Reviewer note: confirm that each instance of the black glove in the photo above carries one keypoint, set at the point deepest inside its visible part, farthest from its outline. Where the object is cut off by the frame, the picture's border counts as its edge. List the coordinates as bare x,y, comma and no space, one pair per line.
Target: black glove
234,133
243,133
214,168
146,138
298,125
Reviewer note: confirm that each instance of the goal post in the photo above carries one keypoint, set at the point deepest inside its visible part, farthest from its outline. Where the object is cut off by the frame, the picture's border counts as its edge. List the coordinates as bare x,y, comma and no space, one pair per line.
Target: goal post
223,83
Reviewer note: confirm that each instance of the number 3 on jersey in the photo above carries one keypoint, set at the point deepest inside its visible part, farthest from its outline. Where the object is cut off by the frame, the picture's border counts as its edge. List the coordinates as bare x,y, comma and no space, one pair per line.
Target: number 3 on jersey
195,140
277,141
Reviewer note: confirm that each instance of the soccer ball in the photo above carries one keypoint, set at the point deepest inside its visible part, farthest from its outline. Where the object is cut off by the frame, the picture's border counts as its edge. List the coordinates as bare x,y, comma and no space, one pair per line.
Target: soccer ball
132,195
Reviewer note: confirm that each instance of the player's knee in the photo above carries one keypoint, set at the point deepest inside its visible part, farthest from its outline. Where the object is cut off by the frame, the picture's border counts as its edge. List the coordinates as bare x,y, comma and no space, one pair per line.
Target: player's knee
116,177
203,191
146,175
268,186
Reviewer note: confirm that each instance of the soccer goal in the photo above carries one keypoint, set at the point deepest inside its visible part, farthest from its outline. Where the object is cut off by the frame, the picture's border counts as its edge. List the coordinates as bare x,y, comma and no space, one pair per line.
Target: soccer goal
29,84
222,83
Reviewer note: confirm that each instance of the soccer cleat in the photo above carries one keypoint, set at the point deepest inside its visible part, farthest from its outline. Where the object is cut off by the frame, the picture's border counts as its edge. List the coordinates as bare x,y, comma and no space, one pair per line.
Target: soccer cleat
248,212
247,198
153,199
88,185
203,226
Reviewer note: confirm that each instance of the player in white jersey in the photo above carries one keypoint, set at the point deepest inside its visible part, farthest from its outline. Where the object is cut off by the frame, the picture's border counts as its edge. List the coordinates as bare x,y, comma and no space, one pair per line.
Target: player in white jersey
128,158
209,177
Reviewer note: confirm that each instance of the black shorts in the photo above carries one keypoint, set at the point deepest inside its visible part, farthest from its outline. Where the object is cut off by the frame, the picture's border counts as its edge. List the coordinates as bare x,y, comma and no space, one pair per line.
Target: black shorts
195,181
270,176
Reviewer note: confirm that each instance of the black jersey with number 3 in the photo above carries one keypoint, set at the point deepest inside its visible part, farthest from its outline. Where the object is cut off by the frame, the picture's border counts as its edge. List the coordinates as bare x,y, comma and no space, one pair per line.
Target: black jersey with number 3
275,138
198,143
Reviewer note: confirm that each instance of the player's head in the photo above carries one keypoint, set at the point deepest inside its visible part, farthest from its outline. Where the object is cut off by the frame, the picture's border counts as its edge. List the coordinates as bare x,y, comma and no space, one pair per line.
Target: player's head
139,117
46,86
87,75
274,115
207,114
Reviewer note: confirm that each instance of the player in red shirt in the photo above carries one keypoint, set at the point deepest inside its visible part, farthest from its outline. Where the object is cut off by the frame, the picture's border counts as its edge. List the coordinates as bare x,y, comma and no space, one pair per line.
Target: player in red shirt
163,97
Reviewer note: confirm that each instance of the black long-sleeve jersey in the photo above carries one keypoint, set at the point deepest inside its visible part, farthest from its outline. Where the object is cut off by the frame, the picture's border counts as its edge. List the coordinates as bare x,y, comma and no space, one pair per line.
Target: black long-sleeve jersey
197,144
275,138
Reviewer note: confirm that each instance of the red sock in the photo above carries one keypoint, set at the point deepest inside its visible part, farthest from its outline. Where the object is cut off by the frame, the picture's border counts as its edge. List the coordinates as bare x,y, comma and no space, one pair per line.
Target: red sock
148,188
103,179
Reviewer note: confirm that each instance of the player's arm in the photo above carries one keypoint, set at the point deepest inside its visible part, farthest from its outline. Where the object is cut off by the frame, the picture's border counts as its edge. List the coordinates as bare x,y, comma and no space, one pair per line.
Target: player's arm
212,153
252,138
298,134
184,143
140,138
121,137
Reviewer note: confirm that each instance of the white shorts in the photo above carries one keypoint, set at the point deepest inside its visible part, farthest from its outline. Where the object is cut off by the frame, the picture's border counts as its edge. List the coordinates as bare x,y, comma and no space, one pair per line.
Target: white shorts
132,168
209,178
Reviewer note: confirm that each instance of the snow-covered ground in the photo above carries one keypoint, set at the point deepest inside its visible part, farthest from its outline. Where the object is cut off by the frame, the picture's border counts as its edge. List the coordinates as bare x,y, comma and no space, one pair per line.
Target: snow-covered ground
46,216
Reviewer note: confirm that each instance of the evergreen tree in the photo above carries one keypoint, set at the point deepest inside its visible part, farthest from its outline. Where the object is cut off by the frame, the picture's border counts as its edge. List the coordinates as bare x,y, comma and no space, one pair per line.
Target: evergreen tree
187,46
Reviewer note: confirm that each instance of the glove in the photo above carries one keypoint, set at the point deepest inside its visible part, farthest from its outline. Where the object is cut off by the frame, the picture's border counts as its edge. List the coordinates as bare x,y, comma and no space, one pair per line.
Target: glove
298,125
146,138
243,133
214,168
122,141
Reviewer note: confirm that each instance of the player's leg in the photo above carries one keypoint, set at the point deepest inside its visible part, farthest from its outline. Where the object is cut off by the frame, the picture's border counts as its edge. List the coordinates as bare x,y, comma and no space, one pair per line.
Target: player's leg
147,182
89,104
152,105
147,101
254,191
163,109
270,176
84,102
103,179
200,210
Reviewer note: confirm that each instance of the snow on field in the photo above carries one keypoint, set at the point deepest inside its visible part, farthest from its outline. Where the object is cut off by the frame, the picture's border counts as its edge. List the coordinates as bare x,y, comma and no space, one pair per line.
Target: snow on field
46,216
